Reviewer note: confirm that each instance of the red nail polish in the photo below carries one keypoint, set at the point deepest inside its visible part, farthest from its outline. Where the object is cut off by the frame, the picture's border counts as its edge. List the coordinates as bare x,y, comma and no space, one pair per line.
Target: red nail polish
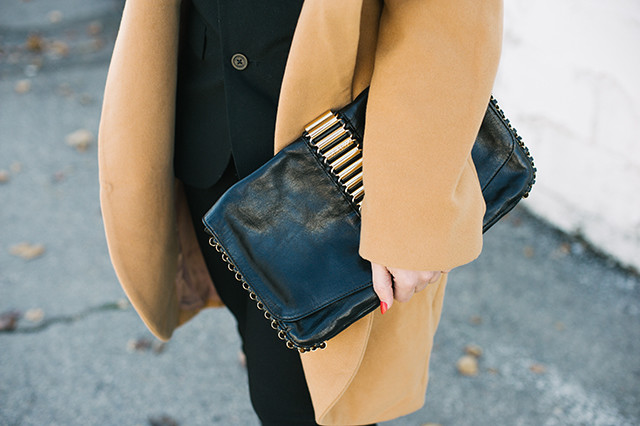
383,307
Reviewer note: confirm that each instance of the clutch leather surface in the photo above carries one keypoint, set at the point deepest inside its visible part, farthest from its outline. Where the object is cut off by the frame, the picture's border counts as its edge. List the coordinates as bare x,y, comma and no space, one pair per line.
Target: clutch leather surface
291,230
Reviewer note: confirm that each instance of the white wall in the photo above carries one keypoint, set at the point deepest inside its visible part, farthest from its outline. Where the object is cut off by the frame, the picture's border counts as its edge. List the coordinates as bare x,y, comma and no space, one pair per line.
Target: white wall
570,82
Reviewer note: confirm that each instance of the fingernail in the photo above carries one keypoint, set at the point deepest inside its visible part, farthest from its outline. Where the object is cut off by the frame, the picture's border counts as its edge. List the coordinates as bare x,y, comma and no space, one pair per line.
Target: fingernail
383,307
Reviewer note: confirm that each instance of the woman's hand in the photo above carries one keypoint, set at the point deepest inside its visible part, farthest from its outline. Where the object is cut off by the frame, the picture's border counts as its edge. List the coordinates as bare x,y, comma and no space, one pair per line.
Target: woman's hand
399,284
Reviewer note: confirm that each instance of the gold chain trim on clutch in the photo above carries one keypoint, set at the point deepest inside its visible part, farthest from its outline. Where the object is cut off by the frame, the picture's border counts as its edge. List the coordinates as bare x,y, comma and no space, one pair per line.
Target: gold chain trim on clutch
513,130
282,334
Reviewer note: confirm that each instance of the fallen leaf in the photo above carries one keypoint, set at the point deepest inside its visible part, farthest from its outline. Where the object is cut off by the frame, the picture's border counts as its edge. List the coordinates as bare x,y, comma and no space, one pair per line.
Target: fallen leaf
65,90
9,320
476,320
34,315
85,99
561,251
143,344
35,43
16,167
27,251
242,359
473,350
58,176
467,365
138,344
163,421
4,176
80,139
59,48
528,252
538,368
97,44
94,28
22,86
55,16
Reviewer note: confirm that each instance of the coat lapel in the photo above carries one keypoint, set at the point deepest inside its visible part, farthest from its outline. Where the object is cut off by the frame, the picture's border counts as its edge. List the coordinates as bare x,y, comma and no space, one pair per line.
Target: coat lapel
320,66
323,72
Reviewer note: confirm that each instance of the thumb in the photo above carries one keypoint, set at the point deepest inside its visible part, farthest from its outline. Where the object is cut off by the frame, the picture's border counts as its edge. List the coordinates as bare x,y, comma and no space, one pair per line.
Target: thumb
382,285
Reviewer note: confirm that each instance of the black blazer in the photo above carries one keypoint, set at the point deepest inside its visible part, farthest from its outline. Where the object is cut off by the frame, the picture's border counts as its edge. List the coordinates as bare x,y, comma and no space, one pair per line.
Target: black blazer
231,63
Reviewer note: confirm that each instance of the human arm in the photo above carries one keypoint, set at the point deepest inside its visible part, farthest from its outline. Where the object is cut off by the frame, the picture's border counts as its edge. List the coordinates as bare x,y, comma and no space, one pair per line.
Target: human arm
434,68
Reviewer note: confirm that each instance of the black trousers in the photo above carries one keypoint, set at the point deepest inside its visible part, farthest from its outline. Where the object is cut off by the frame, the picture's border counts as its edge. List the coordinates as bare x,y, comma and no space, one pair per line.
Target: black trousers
278,389
277,386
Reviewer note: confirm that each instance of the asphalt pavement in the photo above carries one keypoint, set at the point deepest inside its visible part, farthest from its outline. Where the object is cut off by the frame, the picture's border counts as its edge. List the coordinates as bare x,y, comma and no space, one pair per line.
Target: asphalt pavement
548,331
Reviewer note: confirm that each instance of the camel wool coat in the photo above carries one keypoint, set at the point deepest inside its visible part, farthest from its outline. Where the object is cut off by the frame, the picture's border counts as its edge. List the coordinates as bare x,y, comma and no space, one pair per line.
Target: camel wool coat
430,65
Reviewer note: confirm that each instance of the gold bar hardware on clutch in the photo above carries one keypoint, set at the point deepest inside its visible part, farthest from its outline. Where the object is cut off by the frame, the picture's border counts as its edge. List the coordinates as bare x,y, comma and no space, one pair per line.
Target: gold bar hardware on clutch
338,149
320,124
353,182
331,138
356,165
357,193
326,127
340,152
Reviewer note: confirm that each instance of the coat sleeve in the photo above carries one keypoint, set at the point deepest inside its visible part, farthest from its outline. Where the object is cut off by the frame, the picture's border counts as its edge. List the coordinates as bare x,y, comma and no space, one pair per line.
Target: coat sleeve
135,150
434,69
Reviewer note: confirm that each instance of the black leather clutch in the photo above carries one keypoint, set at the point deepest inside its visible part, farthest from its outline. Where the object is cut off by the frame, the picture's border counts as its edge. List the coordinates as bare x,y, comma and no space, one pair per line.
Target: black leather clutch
290,231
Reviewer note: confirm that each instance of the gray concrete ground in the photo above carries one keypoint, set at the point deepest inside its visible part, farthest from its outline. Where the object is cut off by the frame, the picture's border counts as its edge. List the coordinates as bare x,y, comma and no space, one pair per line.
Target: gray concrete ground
559,327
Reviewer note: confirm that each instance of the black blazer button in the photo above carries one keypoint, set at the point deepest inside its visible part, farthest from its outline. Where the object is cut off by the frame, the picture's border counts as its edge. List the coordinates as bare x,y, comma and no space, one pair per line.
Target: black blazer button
239,61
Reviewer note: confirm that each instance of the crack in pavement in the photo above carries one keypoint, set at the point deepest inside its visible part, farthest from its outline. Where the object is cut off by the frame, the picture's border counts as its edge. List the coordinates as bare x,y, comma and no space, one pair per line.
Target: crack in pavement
68,319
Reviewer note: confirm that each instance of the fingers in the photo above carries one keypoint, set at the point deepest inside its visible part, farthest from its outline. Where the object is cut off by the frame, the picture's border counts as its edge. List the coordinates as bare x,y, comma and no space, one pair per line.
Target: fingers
435,277
382,285
406,282
399,284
